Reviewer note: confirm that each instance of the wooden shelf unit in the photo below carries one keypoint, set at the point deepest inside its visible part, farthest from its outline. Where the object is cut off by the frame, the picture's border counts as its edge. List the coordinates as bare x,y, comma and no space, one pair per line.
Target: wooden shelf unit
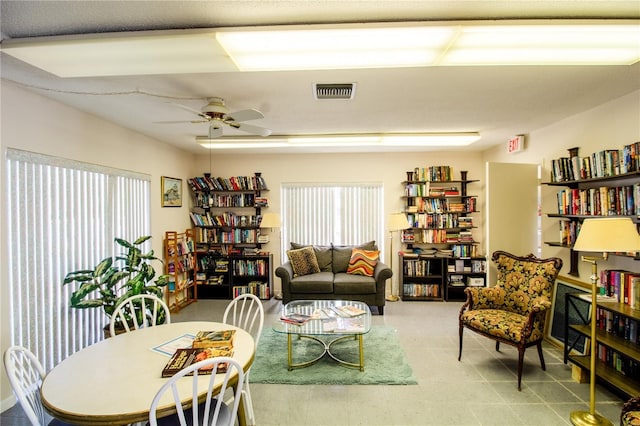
179,259
226,218
440,213
623,375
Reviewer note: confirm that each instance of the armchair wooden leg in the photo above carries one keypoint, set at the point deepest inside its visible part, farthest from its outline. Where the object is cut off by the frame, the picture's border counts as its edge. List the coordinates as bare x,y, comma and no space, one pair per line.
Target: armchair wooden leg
460,351
497,346
520,363
541,356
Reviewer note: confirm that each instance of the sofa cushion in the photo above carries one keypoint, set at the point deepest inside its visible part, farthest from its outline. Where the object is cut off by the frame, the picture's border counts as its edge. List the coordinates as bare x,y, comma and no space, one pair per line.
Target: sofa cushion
353,284
303,261
342,255
324,255
322,282
363,262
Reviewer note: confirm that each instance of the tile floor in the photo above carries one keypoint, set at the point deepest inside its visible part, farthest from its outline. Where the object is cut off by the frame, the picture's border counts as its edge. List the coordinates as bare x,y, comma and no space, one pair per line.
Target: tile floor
481,389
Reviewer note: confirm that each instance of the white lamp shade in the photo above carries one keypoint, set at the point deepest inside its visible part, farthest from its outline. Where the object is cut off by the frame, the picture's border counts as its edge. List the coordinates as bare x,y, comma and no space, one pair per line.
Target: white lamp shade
270,220
398,221
608,235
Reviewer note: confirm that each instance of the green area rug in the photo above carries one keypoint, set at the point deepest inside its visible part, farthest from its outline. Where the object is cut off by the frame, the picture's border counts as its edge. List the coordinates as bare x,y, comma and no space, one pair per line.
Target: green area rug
384,361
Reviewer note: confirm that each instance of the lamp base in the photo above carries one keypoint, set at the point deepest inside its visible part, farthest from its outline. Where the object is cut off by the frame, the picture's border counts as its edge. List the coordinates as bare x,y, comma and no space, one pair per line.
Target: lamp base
392,298
585,418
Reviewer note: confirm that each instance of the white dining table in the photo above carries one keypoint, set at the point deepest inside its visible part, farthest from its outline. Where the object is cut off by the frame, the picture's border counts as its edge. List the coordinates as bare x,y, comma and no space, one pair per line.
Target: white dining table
113,382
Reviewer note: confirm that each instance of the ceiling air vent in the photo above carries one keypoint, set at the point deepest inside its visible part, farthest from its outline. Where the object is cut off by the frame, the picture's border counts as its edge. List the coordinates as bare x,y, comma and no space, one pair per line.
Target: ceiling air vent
334,91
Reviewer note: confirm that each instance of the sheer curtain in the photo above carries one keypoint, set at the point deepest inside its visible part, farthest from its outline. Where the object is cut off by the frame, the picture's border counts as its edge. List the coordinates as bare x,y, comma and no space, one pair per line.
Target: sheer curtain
332,213
64,216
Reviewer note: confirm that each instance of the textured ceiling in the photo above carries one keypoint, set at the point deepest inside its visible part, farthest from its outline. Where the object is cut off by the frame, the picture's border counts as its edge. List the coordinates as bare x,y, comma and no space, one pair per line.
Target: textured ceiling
499,102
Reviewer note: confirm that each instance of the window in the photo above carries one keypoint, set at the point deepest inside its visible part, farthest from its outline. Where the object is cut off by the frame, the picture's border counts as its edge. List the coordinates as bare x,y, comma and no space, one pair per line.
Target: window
64,216
332,213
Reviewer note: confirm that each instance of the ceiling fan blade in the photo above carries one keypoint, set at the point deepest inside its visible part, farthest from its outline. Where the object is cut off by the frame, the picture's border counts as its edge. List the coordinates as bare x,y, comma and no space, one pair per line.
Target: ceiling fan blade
244,115
195,111
255,130
215,132
180,121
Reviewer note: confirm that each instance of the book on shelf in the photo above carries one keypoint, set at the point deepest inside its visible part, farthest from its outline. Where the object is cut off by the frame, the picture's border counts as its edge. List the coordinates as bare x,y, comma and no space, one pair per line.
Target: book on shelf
184,357
214,339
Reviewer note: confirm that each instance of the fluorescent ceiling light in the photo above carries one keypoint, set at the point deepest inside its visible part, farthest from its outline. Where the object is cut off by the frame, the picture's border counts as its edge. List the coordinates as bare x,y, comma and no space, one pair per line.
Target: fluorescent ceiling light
414,44
330,48
318,141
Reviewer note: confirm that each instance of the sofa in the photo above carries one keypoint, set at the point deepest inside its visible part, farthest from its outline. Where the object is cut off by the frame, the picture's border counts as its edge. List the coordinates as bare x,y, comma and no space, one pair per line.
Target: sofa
334,272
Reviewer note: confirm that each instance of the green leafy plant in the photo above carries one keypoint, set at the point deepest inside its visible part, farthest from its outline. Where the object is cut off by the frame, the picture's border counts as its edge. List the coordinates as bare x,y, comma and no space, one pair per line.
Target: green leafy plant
116,278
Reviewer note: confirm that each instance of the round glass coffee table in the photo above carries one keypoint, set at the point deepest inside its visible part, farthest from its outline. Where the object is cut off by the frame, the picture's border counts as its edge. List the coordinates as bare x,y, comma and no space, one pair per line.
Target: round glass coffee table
311,319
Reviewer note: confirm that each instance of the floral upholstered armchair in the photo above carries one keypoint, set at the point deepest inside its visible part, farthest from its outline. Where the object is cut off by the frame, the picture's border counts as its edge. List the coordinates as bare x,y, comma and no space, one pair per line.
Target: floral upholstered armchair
630,415
514,310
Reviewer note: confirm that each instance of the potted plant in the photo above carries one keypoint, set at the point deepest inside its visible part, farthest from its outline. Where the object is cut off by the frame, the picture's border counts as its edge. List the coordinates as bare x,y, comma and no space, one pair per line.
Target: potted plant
116,278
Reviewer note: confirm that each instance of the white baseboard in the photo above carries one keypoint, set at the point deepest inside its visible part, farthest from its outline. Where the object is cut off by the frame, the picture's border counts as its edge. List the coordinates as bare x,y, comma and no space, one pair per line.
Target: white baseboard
7,403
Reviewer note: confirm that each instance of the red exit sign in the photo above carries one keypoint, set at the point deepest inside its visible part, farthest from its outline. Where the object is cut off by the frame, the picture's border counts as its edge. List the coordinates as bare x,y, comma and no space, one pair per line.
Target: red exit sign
515,144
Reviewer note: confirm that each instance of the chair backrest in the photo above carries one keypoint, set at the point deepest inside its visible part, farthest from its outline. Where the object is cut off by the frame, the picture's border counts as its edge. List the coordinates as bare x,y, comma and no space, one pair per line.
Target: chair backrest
526,280
213,409
246,312
25,375
140,310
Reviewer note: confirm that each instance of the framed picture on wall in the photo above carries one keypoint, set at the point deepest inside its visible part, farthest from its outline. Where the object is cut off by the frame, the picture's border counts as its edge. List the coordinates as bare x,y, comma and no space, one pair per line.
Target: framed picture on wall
171,191
578,311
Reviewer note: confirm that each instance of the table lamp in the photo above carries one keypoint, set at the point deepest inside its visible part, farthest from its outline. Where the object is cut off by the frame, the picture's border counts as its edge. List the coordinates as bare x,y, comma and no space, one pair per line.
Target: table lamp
604,235
270,220
397,222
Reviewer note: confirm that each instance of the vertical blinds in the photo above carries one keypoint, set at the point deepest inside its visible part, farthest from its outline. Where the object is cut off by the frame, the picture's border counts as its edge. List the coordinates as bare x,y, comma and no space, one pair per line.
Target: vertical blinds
332,213
64,216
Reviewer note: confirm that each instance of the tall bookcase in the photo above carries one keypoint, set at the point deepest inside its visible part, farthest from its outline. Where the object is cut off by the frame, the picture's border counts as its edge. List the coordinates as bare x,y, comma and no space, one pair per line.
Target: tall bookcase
605,183
441,214
180,258
226,218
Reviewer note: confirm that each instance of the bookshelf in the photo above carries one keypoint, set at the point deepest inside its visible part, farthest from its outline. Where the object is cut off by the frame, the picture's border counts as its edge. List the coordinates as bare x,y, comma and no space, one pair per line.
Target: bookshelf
618,359
441,214
226,217
604,183
422,278
179,254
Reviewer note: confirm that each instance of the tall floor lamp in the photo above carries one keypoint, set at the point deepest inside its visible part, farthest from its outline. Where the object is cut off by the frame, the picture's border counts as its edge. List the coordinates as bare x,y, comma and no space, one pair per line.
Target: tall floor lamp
604,235
397,222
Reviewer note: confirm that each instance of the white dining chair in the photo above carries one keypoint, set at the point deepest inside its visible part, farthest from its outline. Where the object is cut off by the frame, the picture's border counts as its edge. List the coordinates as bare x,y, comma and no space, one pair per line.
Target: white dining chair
246,312
212,411
151,305
25,375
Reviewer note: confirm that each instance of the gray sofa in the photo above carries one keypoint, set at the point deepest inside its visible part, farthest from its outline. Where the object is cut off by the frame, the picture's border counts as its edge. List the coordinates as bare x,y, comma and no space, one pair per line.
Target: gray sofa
333,282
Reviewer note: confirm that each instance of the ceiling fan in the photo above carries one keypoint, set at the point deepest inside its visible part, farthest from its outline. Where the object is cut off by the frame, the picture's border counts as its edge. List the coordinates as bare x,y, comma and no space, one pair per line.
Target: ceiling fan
215,113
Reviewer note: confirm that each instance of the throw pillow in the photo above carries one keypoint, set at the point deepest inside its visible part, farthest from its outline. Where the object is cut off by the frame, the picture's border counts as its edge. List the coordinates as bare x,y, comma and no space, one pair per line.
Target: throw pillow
303,261
363,262
323,255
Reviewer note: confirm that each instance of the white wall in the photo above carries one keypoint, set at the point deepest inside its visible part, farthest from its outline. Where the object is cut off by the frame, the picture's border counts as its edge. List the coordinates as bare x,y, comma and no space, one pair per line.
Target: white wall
34,123
388,168
608,126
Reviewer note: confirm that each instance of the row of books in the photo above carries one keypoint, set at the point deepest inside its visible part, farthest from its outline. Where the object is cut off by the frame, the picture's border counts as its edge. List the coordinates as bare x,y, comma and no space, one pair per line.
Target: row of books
603,201
250,267
626,366
227,219
605,163
439,205
421,290
234,236
436,236
466,250
426,190
418,267
618,325
431,173
623,285
462,265
258,288
439,220
205,199
182,264
234,183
